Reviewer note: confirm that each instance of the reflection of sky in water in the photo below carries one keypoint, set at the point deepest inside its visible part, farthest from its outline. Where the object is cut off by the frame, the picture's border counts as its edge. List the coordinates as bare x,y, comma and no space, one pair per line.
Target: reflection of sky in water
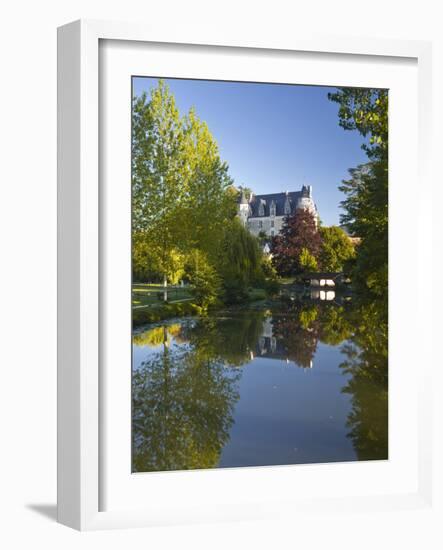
287,414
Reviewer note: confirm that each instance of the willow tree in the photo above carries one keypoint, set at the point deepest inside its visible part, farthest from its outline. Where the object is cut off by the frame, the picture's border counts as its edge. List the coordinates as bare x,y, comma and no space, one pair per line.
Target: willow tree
239,261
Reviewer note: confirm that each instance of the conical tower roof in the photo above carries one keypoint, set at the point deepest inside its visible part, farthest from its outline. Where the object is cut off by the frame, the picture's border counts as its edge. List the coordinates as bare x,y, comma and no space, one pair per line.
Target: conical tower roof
243,199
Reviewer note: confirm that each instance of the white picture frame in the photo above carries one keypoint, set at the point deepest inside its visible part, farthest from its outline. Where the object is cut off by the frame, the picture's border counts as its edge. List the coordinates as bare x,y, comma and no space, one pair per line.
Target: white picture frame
80,411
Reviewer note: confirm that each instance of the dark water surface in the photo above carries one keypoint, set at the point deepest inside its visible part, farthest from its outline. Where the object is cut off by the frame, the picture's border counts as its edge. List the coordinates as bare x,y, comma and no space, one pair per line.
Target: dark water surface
297,383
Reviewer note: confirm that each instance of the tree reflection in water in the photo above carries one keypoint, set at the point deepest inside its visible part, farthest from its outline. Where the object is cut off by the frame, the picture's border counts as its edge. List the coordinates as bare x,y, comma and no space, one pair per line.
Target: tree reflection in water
185,392
182,409
367,362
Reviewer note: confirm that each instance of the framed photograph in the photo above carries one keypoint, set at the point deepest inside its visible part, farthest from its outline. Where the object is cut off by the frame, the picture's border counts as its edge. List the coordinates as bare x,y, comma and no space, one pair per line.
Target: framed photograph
241,280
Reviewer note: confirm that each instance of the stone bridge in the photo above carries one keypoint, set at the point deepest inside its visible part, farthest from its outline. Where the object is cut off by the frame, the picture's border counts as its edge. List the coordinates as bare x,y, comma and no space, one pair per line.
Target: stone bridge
325,278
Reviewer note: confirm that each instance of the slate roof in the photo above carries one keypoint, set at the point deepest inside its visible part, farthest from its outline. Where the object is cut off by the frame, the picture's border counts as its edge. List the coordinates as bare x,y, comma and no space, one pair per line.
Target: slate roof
279,200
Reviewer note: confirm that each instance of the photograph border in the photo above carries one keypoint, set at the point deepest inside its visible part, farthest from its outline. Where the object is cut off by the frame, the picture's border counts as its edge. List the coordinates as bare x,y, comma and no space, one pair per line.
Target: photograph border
79,256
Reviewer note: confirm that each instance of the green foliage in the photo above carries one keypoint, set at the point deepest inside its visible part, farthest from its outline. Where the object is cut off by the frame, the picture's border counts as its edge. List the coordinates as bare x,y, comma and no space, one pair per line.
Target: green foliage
240,261
256,294
157,185
145,265
335,325
267,268
209,202
367,365
182,410
336,249
366,216
203,278
366,203
168,311
181,191
307,261
307,317
268,278
365,110
157,335
229,339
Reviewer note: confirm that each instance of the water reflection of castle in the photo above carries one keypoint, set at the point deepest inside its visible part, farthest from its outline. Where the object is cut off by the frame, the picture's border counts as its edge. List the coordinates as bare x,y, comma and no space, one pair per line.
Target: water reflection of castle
271,347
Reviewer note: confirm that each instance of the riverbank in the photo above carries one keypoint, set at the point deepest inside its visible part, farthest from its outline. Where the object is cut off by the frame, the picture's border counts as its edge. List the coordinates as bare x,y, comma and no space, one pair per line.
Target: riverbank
257,299
166,311
153,314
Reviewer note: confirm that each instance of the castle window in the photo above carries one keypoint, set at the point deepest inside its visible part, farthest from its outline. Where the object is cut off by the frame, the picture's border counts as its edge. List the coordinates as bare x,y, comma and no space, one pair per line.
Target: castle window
272,223
287,206
272,233
261,209
272,208
260,224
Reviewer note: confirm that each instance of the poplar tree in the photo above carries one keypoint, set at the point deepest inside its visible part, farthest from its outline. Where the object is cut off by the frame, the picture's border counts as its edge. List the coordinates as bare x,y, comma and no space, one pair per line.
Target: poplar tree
158,189
208,203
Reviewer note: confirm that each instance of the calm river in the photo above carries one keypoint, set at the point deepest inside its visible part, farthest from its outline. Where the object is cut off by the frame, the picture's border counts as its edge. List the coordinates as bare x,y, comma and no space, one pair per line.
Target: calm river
296,383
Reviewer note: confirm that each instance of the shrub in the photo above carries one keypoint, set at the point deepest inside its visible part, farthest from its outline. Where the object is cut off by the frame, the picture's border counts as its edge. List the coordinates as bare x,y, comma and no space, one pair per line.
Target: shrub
272,286
234,290
307,261
256,294
203,278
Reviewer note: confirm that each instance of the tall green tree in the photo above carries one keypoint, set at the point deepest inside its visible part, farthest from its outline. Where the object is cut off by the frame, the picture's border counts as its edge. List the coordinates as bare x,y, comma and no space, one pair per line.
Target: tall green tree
208,203
182,193
158,188
366,203
365,110
366,216
239,261
336,248
203,277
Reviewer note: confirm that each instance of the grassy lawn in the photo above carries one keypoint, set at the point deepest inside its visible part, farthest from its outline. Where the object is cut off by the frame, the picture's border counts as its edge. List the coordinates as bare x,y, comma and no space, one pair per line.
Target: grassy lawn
286,280
151,295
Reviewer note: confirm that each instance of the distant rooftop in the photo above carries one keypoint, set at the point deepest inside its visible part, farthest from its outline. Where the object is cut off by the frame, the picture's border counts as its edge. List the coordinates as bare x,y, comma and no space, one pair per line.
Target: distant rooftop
279,199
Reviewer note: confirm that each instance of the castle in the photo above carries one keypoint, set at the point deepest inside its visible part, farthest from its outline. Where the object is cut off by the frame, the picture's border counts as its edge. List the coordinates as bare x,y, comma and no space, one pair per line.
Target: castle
264,214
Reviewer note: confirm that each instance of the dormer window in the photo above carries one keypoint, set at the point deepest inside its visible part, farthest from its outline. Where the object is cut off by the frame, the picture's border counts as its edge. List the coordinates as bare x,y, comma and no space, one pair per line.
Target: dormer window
261,208
287,206
272,209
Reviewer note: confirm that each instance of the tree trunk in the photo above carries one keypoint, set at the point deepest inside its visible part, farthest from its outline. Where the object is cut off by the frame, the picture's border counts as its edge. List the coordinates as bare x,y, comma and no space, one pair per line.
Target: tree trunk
165,285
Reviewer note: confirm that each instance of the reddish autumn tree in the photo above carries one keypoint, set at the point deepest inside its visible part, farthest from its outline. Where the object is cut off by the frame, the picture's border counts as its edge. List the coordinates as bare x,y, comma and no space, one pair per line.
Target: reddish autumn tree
299,232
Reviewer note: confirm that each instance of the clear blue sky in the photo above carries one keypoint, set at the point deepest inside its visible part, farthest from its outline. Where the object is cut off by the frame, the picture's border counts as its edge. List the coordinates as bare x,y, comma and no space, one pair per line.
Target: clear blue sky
274,137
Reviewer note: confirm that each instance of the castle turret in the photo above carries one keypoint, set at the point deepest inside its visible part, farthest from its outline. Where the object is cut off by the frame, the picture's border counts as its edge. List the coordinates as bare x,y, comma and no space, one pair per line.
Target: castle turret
306,201
243,208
